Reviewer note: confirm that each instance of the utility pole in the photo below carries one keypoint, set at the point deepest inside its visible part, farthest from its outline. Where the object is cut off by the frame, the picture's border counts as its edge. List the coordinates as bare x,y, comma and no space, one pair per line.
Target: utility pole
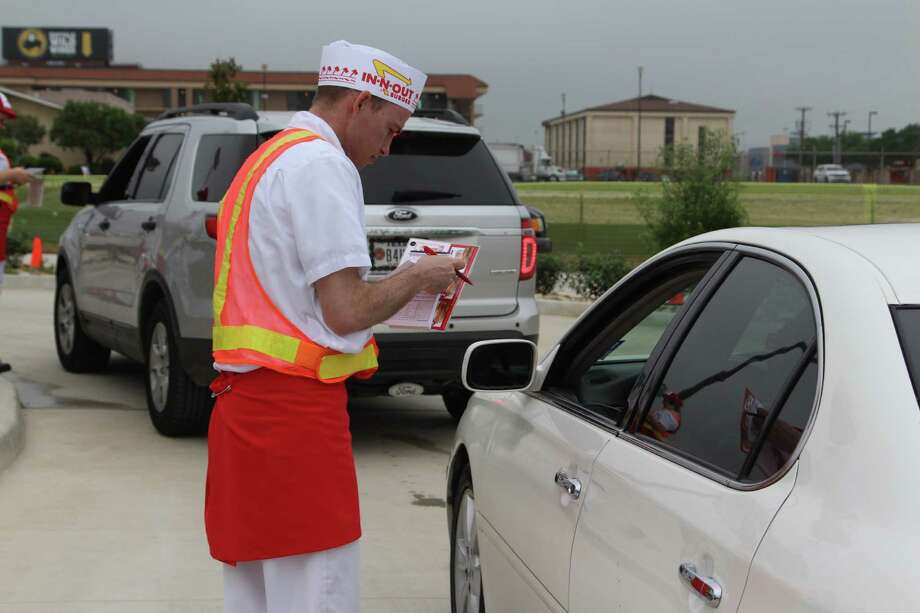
264,95
869,128
802,110
563,105
639,129
836,128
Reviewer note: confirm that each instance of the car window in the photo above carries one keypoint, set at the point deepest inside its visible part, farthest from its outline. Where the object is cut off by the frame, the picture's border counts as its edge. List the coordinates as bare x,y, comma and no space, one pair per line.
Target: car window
218,159
732,369
118,181
605,386
907,320
157,169
436,168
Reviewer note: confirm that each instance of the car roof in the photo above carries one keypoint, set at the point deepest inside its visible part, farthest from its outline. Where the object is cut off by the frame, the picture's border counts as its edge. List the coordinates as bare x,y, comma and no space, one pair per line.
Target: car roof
891,249
270,121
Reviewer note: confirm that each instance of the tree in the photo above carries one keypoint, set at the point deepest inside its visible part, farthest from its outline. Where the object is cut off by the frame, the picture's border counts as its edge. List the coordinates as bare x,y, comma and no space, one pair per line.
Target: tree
96,129
699,194
25,130
222,85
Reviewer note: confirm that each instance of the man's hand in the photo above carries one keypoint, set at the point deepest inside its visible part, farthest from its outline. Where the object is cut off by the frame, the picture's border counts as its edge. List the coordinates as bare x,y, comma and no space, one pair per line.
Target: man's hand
16,176
350,303
437,272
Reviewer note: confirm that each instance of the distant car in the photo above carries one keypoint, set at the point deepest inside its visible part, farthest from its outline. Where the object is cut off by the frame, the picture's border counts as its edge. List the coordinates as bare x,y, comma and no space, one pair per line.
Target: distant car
611,174
832,173
574,175
735,421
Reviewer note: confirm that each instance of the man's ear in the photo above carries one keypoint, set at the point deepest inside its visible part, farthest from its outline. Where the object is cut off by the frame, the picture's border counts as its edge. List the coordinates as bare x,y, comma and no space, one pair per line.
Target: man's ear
359,101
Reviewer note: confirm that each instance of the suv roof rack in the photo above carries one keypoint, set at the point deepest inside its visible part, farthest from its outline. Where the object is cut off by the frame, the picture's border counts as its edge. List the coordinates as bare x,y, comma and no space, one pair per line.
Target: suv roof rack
233,110
443,114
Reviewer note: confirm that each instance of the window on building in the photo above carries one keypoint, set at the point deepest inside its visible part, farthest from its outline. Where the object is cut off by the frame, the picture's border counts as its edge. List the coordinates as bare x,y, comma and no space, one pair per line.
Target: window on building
668,131
180,101
299,101
433,101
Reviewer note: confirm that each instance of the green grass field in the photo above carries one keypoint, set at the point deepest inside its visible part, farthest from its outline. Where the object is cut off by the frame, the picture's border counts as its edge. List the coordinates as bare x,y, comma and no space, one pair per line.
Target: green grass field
51,219
598,216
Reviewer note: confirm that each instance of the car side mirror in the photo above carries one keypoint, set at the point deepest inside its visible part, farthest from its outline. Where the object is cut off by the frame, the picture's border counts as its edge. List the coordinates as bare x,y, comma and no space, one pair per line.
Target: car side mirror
499,365
77,193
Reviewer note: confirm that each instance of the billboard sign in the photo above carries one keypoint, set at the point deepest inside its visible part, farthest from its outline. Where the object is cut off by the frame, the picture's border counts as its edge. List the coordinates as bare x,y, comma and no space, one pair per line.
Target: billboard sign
57,45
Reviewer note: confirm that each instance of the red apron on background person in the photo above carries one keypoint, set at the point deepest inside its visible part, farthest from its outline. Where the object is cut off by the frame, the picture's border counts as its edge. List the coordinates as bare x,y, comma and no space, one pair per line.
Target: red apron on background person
281,477
8,206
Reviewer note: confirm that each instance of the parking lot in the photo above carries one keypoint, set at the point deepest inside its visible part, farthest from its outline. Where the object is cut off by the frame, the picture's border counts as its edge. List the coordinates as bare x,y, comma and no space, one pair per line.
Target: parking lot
101,514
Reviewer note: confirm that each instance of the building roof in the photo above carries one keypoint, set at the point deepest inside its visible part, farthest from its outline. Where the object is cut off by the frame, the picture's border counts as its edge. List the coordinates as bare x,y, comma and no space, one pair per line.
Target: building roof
650,104
63,96
12,93
455,85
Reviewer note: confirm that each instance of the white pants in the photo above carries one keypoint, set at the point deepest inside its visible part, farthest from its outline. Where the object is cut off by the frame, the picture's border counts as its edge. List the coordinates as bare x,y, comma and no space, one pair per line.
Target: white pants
321,582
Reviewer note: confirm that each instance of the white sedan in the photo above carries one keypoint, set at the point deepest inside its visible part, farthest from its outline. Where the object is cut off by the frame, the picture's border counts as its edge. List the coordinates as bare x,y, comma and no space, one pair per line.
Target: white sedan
733,425
832,173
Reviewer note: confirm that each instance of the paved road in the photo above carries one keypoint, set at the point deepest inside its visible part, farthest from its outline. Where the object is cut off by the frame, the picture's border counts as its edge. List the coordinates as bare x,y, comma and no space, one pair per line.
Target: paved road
102,515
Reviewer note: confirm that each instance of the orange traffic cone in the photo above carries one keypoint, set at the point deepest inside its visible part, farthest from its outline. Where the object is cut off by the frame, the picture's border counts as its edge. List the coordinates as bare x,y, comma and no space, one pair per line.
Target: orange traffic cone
36,253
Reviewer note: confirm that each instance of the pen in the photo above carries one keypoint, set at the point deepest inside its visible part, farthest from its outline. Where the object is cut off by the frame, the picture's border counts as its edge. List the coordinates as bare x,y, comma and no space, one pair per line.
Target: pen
429,251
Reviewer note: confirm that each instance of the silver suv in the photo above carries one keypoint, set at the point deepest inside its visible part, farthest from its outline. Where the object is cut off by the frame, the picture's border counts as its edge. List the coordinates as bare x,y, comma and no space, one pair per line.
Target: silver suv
135,269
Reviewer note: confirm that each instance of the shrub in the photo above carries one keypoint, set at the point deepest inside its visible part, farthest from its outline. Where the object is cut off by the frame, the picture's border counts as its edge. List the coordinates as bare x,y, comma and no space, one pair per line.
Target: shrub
595,273
103,166
700,195
549,269
17,245
50,163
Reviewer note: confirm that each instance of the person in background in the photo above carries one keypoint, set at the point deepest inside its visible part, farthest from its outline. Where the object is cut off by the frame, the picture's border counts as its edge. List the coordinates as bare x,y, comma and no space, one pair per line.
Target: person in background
9,178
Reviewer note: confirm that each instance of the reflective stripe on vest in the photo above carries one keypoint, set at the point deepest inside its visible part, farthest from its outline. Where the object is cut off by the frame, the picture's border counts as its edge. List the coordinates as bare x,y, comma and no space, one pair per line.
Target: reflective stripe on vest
8,197
244,341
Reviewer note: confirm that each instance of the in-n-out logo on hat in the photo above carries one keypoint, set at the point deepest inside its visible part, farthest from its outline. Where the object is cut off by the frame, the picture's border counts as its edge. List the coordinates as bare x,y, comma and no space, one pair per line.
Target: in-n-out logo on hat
5,107
367,69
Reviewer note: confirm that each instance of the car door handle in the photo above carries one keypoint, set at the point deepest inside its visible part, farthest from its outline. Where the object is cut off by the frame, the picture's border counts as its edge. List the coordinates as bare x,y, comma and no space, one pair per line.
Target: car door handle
706,588
571,485
149,225
104,224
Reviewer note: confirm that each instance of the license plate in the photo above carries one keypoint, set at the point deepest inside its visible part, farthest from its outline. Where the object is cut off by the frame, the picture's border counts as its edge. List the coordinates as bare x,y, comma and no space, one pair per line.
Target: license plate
385,255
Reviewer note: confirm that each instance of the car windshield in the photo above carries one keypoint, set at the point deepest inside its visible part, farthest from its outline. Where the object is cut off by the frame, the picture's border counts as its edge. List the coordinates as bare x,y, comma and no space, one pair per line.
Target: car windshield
436,168
907,321
834,167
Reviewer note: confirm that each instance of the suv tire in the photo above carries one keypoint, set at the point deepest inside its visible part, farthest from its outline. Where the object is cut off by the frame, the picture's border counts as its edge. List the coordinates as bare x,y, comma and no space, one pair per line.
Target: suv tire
455,401
465,570
76,351
177,406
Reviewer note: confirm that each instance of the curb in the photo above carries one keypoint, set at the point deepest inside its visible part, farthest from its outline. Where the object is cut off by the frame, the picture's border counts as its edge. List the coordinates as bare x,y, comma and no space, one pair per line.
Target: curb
11,430
563,308
28,281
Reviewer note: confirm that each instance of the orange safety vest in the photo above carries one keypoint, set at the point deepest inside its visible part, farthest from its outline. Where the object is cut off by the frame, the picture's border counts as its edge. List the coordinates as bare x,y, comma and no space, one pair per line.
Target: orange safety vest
248,327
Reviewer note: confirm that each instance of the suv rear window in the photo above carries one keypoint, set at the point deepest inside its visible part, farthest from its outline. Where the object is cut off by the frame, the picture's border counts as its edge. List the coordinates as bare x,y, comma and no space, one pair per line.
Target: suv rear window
436,168
907,321
219,157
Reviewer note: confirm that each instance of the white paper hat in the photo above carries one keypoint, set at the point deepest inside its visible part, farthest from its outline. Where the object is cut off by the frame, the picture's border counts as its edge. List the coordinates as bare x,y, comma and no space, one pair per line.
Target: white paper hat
367,69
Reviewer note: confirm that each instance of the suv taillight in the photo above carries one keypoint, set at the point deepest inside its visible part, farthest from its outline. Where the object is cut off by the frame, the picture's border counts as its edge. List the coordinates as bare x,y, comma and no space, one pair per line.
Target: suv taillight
528,250
210,225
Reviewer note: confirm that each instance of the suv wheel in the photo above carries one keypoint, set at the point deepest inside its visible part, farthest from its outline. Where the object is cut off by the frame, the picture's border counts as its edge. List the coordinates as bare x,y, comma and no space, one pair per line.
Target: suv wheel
465,569
177,406
76,351
455,400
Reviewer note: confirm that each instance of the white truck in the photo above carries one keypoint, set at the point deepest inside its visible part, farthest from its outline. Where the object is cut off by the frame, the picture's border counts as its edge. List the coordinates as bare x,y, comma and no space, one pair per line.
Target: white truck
523,163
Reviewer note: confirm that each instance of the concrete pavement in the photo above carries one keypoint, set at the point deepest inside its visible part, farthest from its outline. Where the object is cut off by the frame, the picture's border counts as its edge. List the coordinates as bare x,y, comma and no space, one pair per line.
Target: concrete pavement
100,513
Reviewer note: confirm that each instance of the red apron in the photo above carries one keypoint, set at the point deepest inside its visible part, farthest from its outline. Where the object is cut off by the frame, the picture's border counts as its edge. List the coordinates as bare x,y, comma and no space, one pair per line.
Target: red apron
281,475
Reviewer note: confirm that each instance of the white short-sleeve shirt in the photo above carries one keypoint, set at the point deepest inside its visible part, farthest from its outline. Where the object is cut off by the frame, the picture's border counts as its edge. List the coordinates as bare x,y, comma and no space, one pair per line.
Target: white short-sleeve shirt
306,221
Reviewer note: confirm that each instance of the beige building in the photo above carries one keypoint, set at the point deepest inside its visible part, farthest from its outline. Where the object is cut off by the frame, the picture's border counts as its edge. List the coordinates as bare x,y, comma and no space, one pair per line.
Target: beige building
607,137
44,111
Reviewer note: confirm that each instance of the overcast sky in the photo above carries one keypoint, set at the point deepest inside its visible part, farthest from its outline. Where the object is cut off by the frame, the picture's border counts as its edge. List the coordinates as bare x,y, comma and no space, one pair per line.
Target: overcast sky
758,57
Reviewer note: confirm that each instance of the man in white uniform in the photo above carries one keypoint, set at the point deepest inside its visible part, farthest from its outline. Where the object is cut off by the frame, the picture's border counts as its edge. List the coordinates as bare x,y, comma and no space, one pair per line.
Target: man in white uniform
281,504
